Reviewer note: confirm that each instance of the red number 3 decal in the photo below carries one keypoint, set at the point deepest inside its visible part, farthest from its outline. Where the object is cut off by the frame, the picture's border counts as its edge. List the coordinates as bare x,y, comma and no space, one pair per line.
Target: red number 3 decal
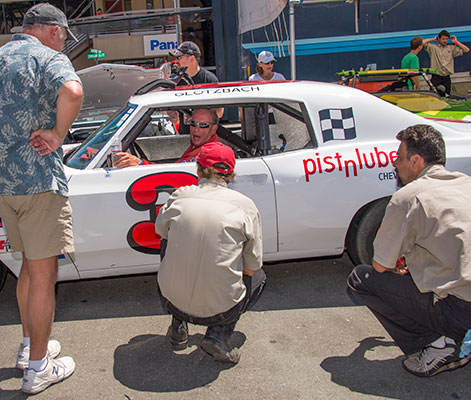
143,195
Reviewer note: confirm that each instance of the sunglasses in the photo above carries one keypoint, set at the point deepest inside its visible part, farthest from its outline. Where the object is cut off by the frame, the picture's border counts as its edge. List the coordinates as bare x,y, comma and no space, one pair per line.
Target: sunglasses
201,125
269,62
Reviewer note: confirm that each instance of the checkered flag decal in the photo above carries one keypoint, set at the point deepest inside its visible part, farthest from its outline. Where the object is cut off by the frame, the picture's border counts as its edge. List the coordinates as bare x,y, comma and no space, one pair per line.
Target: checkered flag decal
337,124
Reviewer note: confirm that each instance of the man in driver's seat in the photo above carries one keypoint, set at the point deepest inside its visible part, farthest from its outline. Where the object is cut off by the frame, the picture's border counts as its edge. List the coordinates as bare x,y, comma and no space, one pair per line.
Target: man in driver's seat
203,127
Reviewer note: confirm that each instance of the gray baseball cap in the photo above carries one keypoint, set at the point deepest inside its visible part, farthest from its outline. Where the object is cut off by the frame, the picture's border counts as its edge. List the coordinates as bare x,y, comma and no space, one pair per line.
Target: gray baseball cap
189,48
47,14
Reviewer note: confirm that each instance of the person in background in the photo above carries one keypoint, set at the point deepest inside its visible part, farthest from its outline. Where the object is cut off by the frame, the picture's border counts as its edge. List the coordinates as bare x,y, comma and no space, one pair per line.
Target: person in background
264,68
188,55
265,72
442,57
411,61
40,97
203,127
211,267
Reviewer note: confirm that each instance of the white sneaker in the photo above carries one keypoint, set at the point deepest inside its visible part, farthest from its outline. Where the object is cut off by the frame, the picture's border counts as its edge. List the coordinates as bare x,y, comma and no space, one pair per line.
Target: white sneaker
53,350
55,371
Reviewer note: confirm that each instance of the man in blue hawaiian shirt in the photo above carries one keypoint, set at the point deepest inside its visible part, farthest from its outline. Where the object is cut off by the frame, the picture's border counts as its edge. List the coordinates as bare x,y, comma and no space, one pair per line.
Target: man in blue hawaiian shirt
40,96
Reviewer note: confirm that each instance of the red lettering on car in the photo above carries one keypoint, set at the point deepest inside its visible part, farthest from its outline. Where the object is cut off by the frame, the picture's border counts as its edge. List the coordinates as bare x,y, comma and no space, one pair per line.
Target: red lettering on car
330,163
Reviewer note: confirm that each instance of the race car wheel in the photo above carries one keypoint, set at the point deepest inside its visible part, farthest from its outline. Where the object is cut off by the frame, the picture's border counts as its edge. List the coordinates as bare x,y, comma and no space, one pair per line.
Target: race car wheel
362,231
3,275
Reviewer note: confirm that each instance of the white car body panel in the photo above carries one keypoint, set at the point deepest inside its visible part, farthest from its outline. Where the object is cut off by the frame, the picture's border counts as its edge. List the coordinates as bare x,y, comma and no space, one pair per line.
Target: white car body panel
100,238
307,197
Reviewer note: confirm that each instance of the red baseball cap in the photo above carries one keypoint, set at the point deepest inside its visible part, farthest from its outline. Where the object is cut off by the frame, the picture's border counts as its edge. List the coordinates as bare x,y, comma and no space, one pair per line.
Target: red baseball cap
217,153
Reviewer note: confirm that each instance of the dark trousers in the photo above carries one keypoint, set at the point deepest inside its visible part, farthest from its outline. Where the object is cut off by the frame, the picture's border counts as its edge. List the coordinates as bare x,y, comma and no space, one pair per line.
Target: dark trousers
413,319
254,287
442,80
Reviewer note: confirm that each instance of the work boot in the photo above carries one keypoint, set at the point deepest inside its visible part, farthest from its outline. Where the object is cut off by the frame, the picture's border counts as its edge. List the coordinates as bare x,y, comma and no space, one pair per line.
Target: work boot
216,343
178,334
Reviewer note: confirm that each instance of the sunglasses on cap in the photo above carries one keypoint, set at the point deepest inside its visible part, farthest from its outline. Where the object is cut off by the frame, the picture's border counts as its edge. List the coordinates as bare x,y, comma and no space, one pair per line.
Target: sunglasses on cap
201,125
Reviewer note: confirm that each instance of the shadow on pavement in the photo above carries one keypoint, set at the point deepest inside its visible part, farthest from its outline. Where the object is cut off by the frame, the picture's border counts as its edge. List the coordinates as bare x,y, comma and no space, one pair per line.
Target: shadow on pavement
361,373
302,284
9,373
147,363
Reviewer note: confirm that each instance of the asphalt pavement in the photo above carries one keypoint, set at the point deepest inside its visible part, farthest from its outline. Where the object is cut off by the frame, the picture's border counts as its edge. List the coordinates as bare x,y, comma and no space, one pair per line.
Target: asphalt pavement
305,339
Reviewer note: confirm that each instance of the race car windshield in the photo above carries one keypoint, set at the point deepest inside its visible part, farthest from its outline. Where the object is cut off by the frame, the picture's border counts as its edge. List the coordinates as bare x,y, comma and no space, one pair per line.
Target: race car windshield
86,152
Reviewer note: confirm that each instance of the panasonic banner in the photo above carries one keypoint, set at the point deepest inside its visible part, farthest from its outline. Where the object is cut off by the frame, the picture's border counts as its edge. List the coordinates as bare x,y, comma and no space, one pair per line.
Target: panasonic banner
160,45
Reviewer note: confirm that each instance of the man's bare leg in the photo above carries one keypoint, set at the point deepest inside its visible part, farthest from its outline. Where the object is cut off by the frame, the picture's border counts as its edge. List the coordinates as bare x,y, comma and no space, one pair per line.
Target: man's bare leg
22,289
36,300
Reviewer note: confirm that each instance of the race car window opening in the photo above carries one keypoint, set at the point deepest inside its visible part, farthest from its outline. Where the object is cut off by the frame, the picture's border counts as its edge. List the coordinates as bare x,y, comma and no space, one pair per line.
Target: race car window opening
310,128
87,151
292,112
290,127
258,129
137,129
154,137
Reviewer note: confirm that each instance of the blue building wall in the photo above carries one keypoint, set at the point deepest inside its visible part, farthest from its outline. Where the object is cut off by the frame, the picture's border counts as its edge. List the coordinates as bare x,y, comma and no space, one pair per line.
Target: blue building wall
385,30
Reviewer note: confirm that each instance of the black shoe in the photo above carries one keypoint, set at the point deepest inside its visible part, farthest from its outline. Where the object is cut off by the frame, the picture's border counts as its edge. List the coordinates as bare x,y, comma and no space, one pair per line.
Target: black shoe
178,334
216,343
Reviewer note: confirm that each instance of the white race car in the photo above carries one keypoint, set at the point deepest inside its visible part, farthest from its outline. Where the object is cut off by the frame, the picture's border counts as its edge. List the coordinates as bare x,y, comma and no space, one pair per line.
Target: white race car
316,158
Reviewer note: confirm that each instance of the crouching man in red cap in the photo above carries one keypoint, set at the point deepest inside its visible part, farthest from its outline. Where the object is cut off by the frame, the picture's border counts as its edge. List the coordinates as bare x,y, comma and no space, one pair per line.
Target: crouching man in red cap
211,268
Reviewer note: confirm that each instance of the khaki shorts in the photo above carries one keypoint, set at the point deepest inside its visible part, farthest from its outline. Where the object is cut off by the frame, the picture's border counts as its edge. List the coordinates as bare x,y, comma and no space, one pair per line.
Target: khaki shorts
40,225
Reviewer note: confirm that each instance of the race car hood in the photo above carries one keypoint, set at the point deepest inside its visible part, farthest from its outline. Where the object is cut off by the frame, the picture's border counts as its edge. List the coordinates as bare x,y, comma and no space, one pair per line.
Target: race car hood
109,86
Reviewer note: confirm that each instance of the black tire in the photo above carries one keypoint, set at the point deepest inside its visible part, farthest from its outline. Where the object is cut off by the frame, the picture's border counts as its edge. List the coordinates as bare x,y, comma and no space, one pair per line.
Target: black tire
3,275
362,231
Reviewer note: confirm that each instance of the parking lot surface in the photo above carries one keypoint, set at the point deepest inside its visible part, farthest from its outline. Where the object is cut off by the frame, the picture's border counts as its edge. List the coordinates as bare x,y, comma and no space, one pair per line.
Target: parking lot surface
305,339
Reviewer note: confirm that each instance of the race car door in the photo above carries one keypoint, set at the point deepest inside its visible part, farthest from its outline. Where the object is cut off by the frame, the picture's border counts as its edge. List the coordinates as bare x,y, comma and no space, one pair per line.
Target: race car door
114,212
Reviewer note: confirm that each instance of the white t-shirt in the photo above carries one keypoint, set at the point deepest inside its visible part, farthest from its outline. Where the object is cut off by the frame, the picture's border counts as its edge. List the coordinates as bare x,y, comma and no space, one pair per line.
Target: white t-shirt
276,77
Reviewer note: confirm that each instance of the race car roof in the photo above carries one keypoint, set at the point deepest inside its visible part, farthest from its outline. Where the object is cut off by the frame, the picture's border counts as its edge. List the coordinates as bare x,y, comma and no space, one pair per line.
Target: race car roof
230,92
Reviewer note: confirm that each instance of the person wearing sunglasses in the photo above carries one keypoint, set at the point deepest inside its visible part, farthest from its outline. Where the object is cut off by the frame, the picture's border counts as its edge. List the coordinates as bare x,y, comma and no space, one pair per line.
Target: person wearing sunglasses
264,68
203,127
188,55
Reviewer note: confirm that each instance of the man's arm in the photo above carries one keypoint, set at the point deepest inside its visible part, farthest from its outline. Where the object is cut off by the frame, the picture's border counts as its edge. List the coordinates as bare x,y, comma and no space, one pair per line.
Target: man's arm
414,64
380,268
69,101
400,268
416,81
463,47
425,42
124,160
252,252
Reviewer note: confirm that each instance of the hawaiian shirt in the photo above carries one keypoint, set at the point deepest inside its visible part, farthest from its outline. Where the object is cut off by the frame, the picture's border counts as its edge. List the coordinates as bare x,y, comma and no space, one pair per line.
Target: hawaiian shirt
30,77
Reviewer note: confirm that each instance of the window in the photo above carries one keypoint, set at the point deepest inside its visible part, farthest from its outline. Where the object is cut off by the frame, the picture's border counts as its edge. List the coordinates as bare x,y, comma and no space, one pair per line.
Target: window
82,156
288,125
255,130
